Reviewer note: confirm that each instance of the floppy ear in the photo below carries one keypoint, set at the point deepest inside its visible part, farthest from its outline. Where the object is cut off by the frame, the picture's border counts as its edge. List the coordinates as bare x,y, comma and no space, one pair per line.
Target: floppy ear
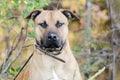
33,14
70,15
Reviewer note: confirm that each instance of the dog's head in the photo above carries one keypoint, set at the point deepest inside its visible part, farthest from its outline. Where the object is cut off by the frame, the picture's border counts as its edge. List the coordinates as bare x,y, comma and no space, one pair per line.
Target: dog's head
51,27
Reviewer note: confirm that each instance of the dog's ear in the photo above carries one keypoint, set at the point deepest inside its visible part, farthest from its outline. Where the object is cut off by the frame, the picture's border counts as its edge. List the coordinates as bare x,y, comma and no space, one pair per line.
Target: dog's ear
33,14
70,14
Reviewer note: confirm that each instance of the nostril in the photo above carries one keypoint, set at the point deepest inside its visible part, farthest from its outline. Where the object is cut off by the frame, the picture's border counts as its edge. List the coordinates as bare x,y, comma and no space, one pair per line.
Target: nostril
49,37
54,37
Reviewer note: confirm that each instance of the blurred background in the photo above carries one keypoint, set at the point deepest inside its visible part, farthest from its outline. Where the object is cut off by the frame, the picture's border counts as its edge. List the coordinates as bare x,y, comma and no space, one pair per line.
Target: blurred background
94,38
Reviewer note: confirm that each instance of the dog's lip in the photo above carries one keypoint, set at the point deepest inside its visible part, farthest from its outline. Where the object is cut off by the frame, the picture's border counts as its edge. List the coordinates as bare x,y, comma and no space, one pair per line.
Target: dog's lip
48,49
52,49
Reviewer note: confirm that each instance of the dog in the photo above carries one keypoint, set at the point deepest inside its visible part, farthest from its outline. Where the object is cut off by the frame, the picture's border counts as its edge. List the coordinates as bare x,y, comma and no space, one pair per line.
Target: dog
53,58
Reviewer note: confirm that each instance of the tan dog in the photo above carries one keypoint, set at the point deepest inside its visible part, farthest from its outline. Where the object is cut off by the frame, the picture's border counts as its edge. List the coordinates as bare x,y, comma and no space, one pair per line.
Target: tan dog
51,30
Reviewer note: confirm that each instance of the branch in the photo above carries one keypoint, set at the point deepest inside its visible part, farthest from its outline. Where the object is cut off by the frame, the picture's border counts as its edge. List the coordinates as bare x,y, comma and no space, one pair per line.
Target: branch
13,48
98,73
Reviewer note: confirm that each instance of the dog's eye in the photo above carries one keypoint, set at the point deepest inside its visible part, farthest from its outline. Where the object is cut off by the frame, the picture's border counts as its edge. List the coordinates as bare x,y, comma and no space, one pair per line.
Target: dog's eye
43,25
58,24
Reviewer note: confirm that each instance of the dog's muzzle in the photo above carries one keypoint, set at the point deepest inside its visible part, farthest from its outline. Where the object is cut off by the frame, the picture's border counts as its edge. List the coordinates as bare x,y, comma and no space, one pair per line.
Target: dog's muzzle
50,52
46,50
51,43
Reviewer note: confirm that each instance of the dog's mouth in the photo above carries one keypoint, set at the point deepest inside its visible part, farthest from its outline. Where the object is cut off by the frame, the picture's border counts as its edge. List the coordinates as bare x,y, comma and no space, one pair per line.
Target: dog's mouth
49,50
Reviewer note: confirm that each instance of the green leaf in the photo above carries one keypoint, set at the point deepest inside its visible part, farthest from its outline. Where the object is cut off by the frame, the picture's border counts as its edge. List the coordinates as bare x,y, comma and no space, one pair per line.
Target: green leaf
31,34
18,69
31,24
11,70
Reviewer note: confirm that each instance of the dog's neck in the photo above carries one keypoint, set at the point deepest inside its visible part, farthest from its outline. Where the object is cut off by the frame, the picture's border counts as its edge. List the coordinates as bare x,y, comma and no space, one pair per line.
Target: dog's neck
38,53
36,65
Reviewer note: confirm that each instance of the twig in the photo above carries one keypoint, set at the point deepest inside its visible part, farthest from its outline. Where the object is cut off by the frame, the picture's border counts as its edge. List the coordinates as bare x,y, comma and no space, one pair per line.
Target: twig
87,33
28,45
9,53
13,17
7,49
109,4
8,65
98,73
58,3
10,49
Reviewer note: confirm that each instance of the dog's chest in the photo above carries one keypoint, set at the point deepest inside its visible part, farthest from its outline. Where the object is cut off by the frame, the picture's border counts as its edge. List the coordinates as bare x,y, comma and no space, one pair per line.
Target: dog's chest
55,76
51,64
45,70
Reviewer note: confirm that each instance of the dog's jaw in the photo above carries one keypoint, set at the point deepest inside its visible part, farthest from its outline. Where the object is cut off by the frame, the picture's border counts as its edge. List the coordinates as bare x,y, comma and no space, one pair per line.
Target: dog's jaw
54,51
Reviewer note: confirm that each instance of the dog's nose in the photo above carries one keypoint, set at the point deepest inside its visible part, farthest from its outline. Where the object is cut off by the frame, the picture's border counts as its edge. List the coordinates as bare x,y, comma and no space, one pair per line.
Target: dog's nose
52,40
52,36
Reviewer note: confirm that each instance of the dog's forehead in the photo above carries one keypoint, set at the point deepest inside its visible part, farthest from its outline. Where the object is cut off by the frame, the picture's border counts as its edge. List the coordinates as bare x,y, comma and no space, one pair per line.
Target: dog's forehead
51,15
